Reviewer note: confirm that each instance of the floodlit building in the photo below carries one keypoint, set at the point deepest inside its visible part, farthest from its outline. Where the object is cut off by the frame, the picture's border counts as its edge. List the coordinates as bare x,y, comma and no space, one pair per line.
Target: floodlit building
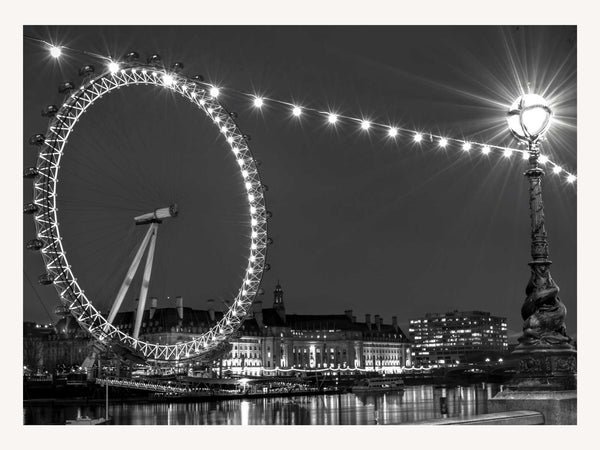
458,337
268,340
271,339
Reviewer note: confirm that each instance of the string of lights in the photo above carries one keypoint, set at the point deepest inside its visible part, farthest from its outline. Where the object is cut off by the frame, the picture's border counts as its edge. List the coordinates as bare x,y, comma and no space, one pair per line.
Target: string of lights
332,118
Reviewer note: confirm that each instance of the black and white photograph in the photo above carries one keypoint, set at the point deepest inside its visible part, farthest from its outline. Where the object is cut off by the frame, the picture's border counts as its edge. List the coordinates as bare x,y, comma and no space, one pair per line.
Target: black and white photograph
334,225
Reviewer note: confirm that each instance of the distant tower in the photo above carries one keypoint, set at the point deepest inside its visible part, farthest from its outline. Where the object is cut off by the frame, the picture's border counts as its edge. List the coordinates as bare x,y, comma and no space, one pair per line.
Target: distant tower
278,305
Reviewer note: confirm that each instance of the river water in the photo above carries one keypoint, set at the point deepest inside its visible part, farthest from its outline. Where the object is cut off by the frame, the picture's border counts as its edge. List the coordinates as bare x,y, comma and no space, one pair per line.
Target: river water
414,404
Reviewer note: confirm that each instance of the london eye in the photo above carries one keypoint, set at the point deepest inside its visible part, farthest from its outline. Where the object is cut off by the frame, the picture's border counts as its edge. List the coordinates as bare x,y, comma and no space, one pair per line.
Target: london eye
97,314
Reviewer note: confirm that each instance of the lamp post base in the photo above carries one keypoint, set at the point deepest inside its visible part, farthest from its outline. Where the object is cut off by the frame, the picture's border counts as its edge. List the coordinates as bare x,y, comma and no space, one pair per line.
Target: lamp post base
545,368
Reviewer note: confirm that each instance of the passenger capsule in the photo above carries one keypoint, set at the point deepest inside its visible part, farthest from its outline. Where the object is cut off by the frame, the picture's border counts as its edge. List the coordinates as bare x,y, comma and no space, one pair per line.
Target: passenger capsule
86,70
49,111
131,57
37,139
258,162
269,241
35,245
247,137
46,279
233,115
61,311
31,172
30,208
177,67
66,87
199,78
261,291
265,188
267,267
154,60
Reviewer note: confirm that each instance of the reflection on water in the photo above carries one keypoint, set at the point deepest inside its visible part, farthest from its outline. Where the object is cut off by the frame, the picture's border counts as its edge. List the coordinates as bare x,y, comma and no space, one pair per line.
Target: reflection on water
413,404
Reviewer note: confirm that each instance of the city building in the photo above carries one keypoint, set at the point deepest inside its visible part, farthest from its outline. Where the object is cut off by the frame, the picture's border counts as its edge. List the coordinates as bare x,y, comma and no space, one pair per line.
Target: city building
458,337
57,347
271,340
268,340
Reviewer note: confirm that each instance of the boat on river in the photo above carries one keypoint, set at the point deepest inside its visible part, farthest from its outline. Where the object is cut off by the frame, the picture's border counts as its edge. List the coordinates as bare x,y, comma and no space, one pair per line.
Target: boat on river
85,420
378,384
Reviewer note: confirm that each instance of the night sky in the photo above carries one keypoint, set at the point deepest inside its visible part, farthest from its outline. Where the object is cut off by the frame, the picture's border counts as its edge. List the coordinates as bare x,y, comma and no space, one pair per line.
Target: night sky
360,221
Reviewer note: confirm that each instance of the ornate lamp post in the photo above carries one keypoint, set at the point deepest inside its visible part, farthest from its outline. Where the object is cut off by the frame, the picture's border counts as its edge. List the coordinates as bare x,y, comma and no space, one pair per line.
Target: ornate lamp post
547,358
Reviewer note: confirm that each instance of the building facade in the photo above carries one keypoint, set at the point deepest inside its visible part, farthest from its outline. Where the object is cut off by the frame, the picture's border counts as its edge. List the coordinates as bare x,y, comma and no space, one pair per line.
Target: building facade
458,337
271,340
268,340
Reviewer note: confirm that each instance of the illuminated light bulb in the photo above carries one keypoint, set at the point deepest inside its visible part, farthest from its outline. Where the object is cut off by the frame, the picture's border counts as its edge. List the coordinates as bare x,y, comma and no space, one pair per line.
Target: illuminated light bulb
248,185
557,169
113,67
253,246
244,292
193,95
245,173
250,270
214,92
365,124
144,72
168,80
183,88
507,153
443,142
543,159
203,102
55,52
154,74
251,197
253,209
224,129
254,222
253,258
240,162
486,149
210,110
332,118
248,282
571,178
525,155
230,139
418,137
235,150
258,102
217,119
393,132
466,147
296,111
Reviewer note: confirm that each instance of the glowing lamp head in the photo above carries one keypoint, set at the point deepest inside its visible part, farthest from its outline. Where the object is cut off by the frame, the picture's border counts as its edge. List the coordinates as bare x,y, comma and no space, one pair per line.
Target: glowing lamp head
55,52
443,142
297,111
393,132
529,118
418,137
365,124
258,102
214,92
332,118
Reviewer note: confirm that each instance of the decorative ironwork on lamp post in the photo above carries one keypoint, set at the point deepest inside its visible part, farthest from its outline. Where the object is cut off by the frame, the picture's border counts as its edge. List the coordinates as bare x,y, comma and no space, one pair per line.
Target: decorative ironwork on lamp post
548,360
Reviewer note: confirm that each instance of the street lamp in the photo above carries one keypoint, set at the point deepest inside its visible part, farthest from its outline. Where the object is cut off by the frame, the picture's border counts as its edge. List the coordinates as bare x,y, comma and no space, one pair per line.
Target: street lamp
545,346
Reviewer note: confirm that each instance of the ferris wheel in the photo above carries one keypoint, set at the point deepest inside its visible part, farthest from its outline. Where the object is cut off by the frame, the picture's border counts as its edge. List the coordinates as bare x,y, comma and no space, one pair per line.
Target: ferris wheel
63,120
